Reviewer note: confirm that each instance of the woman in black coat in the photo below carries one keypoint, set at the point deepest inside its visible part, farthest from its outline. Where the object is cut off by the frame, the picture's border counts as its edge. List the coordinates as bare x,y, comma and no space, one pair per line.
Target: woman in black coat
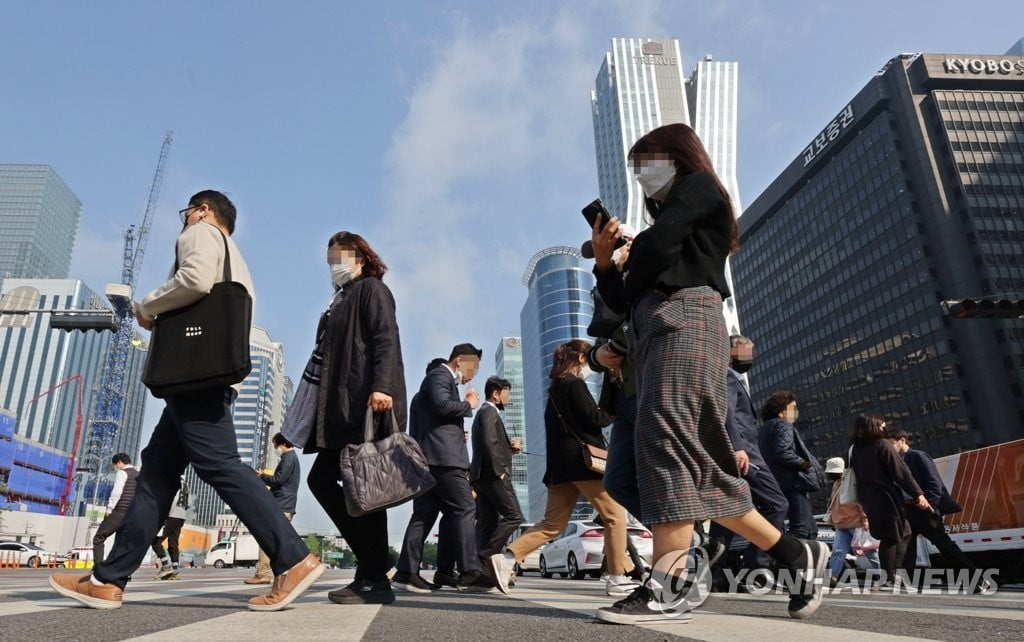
358,343
884,486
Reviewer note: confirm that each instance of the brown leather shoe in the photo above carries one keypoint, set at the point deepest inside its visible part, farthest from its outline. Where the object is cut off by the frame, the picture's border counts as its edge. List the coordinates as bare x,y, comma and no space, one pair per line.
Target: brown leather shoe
289,586
257,580
78,587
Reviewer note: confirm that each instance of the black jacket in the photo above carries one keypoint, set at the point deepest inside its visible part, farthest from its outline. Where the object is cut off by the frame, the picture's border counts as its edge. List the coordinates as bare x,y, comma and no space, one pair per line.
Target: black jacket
741,422
882,478
925,473
492,451
785,454
685,247
284,483
439,416
570,398
362,354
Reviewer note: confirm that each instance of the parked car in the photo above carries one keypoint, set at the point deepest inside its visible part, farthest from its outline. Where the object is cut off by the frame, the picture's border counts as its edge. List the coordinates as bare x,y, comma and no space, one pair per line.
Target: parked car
31,555
579,550
532,561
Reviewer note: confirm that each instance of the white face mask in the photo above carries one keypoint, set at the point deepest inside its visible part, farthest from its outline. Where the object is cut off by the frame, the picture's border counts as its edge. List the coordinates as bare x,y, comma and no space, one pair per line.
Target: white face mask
654,176
586,372
341,273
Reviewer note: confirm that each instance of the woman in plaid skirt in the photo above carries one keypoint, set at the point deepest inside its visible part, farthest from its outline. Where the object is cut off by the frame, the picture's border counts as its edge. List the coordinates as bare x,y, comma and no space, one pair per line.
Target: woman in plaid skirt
673,284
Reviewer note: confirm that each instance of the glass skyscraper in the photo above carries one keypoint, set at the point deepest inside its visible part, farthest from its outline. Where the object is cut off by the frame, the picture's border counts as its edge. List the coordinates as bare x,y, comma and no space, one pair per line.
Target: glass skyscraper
38,223
912,194
1017,49
558,308
508,364
257,413
640,87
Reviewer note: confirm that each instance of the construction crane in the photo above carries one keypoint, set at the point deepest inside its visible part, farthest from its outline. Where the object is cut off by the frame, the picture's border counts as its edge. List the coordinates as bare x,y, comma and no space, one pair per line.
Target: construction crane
109,408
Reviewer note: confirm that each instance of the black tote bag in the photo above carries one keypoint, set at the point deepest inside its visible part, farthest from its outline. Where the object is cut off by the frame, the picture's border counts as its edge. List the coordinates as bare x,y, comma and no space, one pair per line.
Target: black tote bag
203,345
379,474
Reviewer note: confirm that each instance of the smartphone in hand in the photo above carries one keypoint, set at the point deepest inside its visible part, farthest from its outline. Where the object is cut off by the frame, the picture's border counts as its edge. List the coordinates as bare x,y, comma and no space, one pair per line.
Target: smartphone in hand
596,211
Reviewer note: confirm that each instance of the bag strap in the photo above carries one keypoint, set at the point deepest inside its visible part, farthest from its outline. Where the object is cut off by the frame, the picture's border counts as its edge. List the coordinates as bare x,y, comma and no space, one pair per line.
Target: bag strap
849,460
565,426
369,427
227,257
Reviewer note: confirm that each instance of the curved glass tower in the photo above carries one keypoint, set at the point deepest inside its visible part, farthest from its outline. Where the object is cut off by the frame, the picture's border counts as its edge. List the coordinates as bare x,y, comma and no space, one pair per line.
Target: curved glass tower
557,309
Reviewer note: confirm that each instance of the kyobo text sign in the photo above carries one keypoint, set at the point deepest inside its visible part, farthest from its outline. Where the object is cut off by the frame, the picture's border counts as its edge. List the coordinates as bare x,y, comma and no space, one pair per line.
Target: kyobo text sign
989,66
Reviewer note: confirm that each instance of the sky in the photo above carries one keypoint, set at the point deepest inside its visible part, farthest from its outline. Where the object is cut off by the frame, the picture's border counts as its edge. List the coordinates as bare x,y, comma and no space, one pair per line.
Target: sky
455,136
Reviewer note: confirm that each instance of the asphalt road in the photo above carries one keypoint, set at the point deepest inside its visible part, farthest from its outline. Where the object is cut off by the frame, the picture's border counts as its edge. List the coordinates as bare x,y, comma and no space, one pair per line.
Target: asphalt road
209,604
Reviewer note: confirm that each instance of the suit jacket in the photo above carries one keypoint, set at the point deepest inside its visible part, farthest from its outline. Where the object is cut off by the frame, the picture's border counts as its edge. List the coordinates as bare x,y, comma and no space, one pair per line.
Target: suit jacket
922,467
741,422
492,450
439,417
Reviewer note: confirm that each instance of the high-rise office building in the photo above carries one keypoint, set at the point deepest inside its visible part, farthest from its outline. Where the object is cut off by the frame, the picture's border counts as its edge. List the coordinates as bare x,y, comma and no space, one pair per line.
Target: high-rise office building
558,308
38,223
36,358
640,87
257,414
1017,49
912,194
508,364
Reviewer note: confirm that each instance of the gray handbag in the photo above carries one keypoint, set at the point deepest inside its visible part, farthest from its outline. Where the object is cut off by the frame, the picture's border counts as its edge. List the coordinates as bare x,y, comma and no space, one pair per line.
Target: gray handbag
379,474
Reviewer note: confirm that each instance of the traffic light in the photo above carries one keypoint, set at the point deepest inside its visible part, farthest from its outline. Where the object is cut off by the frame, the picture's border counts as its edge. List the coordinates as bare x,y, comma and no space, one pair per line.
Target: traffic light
99,320
984,308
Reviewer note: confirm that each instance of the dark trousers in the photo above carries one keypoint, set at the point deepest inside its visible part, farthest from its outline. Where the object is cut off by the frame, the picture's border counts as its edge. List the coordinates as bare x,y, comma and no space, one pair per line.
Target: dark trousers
929,524
801,516
107,527
447,546
452,497
172,531
497,514
620,472
890,554
366,535
196,428
770,502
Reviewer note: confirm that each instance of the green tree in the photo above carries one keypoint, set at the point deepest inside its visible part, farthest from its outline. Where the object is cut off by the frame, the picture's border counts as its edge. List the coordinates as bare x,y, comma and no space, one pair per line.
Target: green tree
430,553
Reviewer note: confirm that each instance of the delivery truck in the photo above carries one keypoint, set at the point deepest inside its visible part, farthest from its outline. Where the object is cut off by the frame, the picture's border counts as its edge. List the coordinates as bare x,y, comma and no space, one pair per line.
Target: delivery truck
241,550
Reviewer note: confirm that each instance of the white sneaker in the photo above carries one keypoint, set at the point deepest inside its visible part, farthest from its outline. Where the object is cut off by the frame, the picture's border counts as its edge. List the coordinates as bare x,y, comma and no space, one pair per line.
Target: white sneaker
619,585
502,569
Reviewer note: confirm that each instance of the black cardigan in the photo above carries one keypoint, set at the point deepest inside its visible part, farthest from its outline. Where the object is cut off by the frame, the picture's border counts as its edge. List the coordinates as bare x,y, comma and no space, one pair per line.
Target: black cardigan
685,247
572,399
362,354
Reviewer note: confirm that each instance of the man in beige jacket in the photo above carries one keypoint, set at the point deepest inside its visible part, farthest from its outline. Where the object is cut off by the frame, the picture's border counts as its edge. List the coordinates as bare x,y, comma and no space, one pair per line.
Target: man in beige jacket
196,428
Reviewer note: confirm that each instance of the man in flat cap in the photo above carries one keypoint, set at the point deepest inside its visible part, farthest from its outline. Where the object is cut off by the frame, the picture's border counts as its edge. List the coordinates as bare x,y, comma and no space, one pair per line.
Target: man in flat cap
439,414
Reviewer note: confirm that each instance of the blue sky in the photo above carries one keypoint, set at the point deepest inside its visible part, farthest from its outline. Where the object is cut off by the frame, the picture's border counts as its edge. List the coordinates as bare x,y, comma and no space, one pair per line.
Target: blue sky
455,136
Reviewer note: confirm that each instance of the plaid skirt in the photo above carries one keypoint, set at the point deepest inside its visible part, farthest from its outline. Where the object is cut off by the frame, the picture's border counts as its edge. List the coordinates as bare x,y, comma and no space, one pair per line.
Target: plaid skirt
686,467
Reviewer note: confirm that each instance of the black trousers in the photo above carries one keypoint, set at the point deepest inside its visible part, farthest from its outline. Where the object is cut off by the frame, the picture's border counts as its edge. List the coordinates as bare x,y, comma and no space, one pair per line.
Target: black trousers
366,535
107,527
497,514
197,428
770,501
801,516
172,531
891,553
929,524
452,497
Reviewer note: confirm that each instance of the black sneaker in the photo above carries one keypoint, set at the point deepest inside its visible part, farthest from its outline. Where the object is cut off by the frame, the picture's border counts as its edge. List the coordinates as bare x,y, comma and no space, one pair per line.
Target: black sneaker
412,583
475,582
810,580
443,579
640,607
363,592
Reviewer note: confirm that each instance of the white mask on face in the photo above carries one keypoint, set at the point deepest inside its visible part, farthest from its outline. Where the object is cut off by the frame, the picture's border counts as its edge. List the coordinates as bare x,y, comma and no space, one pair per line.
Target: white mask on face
341,273
654,176
586,372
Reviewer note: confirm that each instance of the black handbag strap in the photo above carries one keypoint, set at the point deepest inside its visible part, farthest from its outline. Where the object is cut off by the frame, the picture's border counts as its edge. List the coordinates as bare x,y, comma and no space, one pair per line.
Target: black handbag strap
227,257
369,428
565,426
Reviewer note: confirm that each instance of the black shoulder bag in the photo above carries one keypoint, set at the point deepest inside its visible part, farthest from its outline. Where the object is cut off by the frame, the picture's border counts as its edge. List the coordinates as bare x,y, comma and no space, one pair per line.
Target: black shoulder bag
203,345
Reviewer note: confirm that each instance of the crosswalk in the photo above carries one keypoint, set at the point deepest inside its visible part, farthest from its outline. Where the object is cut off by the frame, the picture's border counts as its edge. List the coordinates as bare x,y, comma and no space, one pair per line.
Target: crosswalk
209,605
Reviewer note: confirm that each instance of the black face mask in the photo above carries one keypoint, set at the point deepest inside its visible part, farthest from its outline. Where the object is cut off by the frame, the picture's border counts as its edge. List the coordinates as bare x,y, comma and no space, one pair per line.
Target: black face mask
499,405
742,365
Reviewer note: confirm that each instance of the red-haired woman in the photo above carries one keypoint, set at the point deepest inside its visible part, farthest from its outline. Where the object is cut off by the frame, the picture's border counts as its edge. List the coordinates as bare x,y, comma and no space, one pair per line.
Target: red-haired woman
673,284
360,371
572,416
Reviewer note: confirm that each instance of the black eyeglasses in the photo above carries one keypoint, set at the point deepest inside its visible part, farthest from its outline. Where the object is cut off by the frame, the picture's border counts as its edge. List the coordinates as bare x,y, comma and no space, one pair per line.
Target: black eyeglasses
184,213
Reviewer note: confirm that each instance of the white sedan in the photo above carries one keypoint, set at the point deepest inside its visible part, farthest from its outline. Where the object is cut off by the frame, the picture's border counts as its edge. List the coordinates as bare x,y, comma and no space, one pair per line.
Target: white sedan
29,555
579,550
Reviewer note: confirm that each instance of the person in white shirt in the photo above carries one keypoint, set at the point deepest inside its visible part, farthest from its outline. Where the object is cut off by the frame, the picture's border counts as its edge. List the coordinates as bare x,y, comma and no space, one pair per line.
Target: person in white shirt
117,506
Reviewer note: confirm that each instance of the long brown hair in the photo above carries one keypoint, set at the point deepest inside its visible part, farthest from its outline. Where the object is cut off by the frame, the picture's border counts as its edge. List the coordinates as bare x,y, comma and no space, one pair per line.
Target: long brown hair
686,150
372,263
567,358
868,428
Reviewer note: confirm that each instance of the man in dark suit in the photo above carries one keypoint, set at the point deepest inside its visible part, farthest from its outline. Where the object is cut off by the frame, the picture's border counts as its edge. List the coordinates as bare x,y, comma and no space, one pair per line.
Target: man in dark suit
497,508
928,522
439,416
741,424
